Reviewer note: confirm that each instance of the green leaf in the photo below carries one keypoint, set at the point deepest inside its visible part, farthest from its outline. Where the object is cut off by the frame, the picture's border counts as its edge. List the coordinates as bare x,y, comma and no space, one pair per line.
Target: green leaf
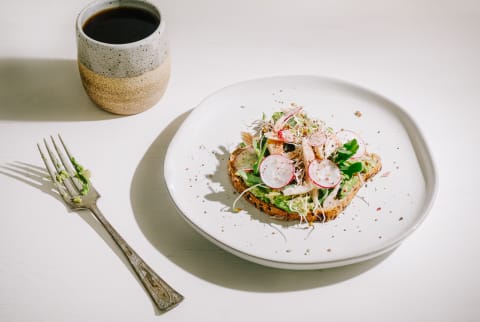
292,122
346,151
276,116
349,169
249,178
260,150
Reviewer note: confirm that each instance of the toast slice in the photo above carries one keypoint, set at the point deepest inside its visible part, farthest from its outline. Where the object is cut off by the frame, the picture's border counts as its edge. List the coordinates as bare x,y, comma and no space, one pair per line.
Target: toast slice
337,203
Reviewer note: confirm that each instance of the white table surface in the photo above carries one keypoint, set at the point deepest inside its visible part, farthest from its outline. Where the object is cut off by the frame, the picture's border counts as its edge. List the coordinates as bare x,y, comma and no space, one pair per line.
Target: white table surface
56,265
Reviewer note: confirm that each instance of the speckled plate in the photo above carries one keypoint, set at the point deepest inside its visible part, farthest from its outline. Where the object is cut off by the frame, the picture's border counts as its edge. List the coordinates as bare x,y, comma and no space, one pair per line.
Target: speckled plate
385,212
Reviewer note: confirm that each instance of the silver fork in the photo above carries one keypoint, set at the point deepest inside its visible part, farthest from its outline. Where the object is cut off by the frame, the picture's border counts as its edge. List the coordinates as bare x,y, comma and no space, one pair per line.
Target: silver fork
77,191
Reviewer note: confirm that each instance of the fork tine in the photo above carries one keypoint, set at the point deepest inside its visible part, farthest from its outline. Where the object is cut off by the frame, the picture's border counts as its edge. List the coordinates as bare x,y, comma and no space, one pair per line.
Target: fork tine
52,172
81,182
65,147
68,182
67,163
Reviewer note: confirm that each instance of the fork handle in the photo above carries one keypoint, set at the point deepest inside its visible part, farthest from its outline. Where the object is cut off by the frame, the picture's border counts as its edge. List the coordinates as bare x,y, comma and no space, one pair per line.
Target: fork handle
163,295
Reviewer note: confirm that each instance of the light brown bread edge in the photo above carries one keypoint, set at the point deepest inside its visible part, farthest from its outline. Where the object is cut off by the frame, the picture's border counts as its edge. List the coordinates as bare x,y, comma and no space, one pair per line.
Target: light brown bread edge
272,210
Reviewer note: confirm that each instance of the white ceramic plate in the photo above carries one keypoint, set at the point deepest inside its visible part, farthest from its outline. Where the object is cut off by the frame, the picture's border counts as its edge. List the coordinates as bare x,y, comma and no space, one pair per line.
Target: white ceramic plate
388,209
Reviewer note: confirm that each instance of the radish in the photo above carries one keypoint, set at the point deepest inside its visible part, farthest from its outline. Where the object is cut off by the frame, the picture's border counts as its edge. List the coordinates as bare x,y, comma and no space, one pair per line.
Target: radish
317,139
331,145
324,174
280,123
272,136
276,171
286,136
345,136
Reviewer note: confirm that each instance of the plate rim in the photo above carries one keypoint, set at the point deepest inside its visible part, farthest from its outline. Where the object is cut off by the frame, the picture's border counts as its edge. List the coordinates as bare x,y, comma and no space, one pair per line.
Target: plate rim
431,187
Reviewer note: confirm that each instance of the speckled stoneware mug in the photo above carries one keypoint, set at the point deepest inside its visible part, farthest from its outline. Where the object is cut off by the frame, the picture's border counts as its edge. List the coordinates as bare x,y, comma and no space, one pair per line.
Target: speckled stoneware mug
123,78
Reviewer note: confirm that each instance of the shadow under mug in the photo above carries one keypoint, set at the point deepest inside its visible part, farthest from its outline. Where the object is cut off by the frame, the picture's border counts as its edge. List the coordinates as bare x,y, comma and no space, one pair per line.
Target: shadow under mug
123,78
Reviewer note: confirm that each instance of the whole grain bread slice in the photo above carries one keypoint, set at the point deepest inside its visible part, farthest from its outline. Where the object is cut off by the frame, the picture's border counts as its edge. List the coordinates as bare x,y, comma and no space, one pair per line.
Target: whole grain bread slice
324,214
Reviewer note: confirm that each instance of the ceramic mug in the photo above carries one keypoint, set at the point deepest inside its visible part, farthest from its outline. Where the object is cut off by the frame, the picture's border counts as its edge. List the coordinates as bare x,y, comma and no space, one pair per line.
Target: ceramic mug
123,78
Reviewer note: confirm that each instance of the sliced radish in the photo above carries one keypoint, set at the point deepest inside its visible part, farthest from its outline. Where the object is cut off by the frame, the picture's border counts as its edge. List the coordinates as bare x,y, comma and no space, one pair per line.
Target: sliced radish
331,145
345,136
286,136
245,160
272,136
280,123
317,139
276,171
324,174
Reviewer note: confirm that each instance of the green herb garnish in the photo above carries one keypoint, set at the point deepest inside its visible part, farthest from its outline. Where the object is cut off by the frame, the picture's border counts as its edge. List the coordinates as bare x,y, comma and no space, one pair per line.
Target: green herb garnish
276,116
260,149
82,175
345,152
341,156
349,169
249,178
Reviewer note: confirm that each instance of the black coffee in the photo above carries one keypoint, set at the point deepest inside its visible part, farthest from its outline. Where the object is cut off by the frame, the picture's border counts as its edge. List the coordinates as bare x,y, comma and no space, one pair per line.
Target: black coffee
121,25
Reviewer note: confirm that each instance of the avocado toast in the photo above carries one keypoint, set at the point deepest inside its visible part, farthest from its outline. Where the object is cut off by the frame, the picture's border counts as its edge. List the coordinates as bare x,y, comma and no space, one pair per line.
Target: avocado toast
294,167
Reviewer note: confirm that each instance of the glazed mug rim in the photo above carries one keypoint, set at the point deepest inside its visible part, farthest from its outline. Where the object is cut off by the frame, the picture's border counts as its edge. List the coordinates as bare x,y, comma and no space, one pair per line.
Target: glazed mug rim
97,6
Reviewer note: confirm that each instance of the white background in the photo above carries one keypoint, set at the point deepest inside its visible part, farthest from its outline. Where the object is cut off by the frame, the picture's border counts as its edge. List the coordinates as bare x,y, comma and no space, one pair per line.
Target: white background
56,265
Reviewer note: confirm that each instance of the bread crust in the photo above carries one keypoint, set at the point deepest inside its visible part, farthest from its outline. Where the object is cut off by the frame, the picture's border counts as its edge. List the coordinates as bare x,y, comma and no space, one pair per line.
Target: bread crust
323,215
